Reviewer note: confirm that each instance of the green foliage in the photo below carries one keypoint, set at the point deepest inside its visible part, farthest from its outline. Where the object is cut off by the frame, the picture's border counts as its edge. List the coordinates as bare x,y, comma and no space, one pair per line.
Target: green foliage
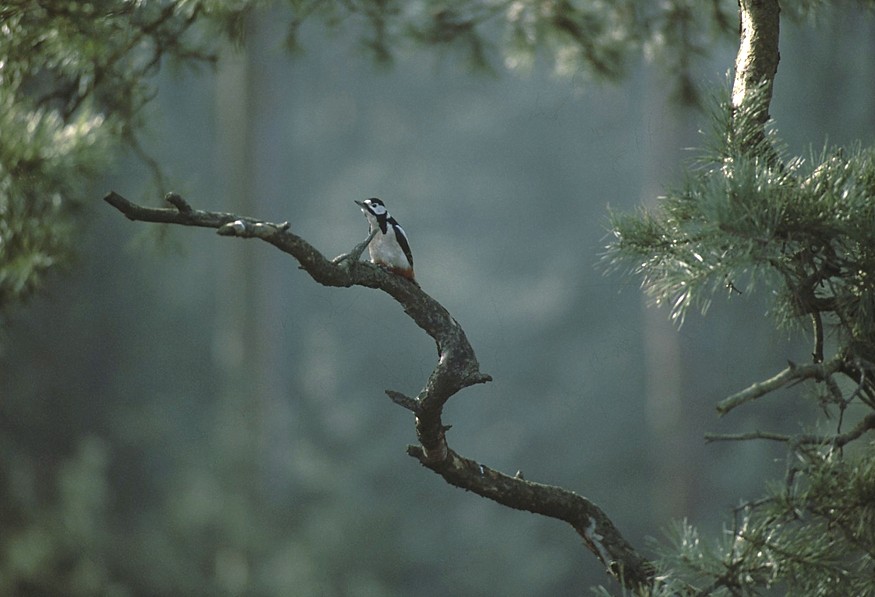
74,77
749,216
813,535
592,38
802,228
42,162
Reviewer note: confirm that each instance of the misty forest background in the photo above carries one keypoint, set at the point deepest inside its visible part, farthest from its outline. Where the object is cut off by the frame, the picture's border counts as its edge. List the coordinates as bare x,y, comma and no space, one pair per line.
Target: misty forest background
184,414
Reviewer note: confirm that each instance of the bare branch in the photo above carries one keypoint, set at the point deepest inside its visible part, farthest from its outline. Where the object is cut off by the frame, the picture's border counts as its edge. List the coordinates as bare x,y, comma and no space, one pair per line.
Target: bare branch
403,401
598,532
738,437
792,374
839,440
457,368
866,424
356,250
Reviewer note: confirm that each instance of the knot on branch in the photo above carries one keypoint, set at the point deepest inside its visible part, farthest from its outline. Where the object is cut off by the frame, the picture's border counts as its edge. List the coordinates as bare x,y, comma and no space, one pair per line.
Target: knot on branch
235,228
477,378
432,434
179,203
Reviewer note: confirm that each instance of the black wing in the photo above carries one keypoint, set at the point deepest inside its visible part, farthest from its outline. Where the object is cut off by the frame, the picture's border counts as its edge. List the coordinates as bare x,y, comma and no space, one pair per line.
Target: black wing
401,237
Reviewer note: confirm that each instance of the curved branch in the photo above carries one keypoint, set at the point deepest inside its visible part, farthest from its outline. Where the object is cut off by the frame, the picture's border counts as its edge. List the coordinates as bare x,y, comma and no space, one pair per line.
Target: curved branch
597,530
457,368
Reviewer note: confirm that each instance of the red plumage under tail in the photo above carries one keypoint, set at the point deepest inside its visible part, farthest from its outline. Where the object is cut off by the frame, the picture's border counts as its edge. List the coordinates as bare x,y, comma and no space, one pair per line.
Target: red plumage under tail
405,272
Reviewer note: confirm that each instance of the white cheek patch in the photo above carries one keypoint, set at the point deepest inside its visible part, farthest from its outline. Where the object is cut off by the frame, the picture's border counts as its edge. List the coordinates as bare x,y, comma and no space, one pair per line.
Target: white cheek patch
377,209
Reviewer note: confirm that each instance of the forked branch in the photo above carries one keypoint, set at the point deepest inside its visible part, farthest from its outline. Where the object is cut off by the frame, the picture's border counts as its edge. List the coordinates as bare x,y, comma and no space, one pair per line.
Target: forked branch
457,368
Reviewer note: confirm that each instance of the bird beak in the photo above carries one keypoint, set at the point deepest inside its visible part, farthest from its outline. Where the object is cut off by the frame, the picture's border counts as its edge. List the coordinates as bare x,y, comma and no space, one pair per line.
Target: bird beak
360,203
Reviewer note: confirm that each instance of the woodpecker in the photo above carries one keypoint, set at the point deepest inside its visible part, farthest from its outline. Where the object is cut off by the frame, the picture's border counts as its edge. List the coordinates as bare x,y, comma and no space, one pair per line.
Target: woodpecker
389,247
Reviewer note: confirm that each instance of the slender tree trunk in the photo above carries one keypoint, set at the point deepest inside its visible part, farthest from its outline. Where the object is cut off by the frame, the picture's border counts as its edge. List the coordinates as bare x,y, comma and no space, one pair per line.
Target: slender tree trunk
254,404
237,346
670,130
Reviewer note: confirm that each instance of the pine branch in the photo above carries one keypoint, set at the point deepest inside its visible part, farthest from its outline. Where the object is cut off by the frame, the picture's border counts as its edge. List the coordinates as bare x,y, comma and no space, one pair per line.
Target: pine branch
740,437
791,375
838,440
457,368
867,423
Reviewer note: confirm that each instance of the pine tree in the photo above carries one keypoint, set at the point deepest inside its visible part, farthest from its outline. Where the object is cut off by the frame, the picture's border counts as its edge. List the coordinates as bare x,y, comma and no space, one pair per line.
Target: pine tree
752,218
74,77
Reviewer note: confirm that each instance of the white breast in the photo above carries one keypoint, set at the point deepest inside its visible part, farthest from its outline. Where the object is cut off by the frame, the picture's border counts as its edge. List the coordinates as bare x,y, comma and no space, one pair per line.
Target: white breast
385,250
